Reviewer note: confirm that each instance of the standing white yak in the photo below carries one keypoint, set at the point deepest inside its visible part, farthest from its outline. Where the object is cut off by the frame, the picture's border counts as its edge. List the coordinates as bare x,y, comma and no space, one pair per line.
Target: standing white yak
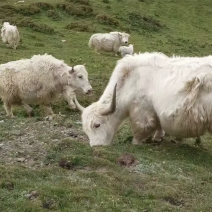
38,81
108,42
156,93
124,50
10,35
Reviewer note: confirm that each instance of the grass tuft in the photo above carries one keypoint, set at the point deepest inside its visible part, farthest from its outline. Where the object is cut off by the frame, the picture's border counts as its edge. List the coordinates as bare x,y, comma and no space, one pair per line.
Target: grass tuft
85,2
53,14
28,10
106,19
79,26
28,22
76,10
43,5
148,23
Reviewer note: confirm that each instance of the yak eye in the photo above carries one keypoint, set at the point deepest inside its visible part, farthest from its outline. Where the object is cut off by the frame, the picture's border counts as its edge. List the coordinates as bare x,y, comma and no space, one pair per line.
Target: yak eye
80,76
96,125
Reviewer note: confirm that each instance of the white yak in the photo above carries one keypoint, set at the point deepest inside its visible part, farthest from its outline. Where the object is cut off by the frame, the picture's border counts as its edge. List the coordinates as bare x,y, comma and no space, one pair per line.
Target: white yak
125,50
109,42
155,92
38,81
10,35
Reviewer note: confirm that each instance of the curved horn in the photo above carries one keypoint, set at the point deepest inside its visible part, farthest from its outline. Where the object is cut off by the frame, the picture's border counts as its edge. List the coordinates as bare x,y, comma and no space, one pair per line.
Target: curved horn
81,108
112,106
72,70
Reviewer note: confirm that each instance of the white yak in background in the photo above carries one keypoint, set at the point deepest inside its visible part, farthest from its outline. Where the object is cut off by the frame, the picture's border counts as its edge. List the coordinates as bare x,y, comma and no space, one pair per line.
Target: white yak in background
108,42
10,35
125,50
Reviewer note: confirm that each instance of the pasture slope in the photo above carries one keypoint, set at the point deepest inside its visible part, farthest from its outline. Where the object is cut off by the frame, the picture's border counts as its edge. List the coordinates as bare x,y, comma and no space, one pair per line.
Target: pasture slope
47,164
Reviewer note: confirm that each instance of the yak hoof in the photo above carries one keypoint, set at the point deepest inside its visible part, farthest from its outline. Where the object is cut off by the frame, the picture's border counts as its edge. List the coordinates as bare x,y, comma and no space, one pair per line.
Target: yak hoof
31,113
135,141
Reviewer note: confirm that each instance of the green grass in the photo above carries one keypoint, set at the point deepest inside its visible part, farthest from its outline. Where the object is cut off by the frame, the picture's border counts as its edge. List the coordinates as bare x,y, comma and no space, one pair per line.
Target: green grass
174,176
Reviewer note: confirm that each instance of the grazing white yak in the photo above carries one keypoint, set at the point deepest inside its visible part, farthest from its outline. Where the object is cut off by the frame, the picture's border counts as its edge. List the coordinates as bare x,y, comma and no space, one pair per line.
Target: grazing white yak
38,81
155,92
125,50
109,42
10,35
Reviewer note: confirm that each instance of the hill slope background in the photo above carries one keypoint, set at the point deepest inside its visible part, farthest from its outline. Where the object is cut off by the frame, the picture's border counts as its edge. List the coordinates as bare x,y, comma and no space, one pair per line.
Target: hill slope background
52,158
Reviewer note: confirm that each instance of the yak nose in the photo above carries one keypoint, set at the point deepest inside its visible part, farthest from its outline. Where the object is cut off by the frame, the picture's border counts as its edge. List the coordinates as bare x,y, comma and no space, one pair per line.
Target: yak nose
89,91
126,42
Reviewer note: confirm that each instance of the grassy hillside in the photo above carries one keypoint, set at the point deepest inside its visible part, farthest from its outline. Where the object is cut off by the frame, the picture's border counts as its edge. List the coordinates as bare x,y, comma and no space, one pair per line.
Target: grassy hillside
48,164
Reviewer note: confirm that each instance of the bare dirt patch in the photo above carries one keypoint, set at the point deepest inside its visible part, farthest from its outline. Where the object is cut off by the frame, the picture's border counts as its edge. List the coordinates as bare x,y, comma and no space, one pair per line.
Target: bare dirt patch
26,142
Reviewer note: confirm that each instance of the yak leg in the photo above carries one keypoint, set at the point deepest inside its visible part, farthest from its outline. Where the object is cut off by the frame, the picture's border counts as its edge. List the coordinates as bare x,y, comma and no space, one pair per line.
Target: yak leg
142,131
68,95
159,134
198,141
139,137
28,109
8,107
48,109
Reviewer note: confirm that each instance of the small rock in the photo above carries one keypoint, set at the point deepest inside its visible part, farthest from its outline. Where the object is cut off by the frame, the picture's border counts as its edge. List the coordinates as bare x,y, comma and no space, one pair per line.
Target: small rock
126,159
2,121
49,204
35,194
63,163
32,195
63,41
49,118
21,160
16,132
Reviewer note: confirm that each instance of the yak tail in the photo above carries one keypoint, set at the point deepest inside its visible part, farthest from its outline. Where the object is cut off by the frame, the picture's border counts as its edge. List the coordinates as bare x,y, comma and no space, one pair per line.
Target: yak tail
90,43
193,87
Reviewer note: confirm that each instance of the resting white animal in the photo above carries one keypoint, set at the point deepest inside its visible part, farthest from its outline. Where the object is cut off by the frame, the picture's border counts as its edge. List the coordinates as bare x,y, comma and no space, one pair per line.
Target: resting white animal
124,50
38,81
155,92
10,35
108,42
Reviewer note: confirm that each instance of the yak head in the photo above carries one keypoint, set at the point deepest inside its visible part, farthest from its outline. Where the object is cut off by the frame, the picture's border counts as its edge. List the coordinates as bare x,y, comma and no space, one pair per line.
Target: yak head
79,79
124,38
99,122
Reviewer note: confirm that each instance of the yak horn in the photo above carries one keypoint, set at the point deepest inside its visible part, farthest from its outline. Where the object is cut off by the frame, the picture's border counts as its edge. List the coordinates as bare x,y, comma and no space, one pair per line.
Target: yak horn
81,108
112,107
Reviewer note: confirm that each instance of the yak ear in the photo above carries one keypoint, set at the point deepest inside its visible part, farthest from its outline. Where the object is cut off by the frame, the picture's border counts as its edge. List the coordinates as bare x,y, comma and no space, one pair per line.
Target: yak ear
72,70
